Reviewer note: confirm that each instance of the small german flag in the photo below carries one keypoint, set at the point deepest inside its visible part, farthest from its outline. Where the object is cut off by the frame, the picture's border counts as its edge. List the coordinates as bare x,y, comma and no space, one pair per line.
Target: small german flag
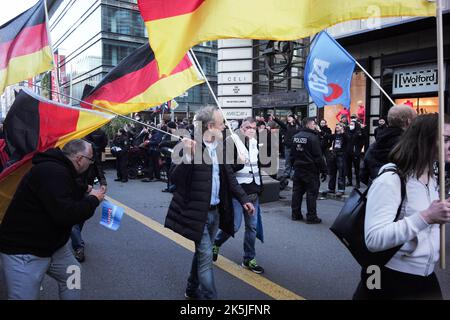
24,46
135,84
34,124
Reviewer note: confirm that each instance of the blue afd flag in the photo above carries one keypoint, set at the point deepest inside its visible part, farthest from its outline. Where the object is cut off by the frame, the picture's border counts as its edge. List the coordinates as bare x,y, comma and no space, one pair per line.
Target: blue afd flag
111,215
328,72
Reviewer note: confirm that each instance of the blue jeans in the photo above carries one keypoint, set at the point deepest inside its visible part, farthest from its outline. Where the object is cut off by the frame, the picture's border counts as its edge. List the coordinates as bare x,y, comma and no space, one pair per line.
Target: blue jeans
201,278
75,236
250,229
24,274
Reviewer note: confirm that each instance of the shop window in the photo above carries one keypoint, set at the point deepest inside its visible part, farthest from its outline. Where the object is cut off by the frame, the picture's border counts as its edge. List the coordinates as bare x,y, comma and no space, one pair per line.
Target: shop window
421,105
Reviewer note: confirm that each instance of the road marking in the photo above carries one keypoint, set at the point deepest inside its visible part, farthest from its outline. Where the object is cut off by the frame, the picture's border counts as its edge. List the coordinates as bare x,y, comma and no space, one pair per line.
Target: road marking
255,280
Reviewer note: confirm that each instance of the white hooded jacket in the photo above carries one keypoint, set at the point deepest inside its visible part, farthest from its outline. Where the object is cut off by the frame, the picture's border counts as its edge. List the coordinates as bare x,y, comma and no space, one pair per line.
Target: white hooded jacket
420,250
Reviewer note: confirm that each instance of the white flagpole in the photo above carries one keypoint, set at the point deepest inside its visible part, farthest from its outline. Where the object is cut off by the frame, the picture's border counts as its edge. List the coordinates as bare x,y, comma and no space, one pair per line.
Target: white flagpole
374,81
210,88
441,77
239,145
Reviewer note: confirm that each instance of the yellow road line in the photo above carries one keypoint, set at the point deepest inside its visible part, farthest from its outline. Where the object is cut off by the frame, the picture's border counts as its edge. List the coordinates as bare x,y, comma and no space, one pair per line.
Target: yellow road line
255,280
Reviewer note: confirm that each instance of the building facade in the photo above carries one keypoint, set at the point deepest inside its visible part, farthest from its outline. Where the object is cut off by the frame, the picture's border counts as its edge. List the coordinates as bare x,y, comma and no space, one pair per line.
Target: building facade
90,37
401,55
259,77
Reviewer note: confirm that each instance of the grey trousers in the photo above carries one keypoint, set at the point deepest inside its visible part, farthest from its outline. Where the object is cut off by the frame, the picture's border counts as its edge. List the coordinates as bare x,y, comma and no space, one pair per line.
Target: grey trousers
24,274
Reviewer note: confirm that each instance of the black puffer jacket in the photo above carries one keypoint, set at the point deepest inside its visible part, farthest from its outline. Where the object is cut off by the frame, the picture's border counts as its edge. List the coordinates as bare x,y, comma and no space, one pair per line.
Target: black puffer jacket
378,152
47,203
188,210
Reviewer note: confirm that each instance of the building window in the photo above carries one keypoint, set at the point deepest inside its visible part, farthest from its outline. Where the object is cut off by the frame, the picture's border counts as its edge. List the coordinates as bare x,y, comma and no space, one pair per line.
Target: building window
122,21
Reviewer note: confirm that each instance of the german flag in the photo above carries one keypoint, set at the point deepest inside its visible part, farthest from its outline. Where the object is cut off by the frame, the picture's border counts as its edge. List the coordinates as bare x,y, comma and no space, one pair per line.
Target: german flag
190,22
135,84
35,124
24,46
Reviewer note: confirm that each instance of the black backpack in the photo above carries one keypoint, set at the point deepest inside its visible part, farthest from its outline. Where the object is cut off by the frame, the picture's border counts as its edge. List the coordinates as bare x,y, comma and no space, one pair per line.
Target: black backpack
349,226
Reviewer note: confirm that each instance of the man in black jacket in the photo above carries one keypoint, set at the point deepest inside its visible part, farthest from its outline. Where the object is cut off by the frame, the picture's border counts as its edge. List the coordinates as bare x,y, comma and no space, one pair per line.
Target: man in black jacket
399,118
325,136
309,163
38,222
289,129
166,146
202,199
354,149
381,126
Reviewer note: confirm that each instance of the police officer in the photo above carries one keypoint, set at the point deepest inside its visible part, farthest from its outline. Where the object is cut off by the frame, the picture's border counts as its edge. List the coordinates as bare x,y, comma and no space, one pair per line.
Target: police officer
309,164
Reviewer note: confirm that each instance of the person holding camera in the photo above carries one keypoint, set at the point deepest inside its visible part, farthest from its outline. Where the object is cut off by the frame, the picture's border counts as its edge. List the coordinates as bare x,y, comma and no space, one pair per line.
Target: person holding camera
309,164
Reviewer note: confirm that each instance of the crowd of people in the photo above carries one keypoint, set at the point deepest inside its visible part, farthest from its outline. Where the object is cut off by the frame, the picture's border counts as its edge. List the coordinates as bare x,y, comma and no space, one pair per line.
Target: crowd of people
211,198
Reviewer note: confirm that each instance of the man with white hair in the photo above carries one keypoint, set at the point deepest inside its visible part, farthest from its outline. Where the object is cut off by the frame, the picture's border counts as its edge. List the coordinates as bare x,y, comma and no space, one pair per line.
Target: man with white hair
202,200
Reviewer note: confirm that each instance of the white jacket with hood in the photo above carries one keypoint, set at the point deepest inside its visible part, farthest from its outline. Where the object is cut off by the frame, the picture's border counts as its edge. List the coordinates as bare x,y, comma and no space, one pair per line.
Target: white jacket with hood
420,250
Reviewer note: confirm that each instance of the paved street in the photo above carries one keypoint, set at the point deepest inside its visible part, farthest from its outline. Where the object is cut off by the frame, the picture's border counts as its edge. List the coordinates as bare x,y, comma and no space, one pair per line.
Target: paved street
137,262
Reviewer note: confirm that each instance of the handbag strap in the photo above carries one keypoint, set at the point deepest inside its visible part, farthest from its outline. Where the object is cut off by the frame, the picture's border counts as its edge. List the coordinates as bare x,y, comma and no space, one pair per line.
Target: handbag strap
402,187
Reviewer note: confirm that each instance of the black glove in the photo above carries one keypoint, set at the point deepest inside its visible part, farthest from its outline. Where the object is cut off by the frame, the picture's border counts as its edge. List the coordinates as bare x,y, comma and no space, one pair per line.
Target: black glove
323,177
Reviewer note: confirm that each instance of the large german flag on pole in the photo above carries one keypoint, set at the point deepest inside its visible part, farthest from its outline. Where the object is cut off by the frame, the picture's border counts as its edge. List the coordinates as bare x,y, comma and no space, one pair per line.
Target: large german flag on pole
135,84
35,124
190,22
24,46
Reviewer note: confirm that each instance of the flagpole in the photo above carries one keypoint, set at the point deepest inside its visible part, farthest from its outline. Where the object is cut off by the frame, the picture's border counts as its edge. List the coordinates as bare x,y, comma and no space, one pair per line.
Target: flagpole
115,113
374,81
211,90
441,77
241,148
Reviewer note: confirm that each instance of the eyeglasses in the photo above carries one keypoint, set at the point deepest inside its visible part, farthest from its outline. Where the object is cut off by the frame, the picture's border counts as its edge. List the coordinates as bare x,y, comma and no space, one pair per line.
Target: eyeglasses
91,160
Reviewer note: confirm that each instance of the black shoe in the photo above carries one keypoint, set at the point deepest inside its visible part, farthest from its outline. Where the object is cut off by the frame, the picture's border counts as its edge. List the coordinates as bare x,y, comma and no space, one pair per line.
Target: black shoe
314,220
124,180
165,190
296,217
79,254
191,296
147,180
117,179
284,183
252,266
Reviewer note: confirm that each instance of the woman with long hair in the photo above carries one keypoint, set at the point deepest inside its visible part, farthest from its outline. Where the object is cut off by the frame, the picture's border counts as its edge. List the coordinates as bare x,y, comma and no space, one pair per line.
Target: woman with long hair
409,274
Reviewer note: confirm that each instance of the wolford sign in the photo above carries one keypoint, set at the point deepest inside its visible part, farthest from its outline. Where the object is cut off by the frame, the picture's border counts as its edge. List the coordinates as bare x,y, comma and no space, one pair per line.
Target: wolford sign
416,79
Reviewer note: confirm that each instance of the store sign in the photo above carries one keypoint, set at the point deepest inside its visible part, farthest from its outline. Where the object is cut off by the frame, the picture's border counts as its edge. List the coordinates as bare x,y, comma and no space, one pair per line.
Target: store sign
416,79
237,113
235,101
235,77
235,90
281,99
235,65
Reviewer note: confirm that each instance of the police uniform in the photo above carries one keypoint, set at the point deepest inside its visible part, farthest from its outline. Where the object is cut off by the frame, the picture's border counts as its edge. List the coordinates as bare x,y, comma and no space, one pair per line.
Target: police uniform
309,163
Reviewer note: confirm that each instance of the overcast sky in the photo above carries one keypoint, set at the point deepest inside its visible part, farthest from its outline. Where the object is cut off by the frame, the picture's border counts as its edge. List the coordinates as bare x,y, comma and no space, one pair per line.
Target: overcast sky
12,8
